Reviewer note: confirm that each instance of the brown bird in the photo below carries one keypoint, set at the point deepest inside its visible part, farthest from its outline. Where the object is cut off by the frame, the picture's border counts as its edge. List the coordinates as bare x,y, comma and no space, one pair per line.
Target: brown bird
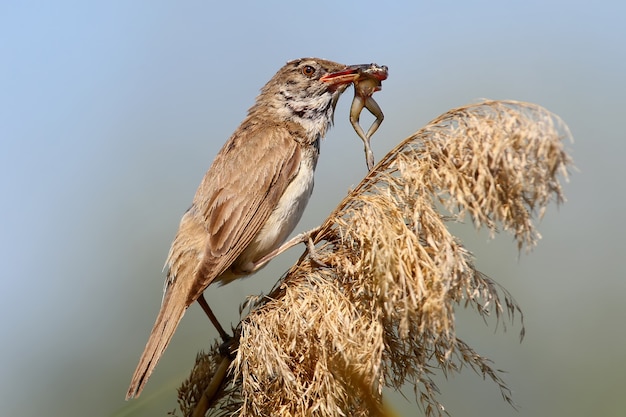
252,196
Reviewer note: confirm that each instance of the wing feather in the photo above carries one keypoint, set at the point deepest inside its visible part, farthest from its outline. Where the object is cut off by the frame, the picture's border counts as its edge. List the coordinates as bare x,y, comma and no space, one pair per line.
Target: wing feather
233,202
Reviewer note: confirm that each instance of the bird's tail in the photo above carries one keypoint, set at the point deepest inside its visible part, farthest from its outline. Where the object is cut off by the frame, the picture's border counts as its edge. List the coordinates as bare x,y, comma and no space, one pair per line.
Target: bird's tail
170,315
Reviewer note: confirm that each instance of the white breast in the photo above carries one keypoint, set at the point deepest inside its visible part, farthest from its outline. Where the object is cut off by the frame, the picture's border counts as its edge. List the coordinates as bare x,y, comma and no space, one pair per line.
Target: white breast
281,222
289,210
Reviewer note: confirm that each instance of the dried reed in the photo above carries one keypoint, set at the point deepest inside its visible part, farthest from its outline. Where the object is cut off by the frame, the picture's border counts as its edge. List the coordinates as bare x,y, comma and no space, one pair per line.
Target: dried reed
377,307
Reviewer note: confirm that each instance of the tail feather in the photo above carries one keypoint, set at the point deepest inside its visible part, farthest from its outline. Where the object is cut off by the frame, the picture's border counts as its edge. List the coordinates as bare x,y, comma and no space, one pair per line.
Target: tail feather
182,288
171,313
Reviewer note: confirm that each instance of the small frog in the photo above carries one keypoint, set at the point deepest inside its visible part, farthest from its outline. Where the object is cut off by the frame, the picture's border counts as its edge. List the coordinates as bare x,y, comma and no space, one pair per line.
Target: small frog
368,81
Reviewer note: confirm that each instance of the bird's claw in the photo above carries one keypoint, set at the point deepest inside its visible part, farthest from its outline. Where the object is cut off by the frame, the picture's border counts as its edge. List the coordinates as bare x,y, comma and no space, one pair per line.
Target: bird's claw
313,255
229,346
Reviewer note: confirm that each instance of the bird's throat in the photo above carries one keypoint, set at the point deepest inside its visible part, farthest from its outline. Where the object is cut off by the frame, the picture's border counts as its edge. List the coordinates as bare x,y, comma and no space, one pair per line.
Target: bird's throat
313,113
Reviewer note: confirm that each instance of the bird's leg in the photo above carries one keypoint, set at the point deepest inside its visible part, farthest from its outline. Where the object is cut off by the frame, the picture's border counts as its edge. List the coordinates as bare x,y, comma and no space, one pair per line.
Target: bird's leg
296,240
305,237
205,306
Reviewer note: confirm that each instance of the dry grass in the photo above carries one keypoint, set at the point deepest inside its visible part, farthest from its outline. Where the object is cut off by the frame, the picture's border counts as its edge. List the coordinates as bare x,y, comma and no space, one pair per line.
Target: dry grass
379,312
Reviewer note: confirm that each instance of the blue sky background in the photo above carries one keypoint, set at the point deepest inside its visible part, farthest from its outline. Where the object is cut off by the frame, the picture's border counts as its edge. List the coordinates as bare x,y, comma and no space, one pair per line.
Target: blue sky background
110,113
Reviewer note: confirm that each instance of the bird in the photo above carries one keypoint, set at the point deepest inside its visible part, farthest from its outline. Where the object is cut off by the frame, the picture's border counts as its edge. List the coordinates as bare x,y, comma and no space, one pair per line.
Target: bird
251,197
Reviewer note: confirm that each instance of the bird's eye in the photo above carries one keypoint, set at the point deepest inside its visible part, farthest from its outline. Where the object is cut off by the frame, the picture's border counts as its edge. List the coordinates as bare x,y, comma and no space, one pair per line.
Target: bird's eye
308,70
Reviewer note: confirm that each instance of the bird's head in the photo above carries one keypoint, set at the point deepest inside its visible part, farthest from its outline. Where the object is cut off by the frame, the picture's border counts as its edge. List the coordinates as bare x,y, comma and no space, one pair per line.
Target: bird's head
305,91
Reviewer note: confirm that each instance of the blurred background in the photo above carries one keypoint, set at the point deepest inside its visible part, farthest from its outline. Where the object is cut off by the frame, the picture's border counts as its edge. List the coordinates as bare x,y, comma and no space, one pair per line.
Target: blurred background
111,112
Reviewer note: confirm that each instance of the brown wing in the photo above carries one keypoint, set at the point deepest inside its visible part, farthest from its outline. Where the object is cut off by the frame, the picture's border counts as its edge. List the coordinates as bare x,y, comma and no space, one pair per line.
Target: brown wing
235,198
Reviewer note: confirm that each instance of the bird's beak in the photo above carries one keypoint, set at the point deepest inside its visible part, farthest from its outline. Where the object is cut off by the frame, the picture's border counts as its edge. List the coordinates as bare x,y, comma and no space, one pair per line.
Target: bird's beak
352,73
345,76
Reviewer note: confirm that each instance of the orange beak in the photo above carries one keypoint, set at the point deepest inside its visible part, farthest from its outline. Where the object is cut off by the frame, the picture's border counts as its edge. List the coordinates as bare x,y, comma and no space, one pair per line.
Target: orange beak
345,76
353,72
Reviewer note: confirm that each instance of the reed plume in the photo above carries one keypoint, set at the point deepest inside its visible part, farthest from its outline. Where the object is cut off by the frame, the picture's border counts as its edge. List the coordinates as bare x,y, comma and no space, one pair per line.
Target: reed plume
374,306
